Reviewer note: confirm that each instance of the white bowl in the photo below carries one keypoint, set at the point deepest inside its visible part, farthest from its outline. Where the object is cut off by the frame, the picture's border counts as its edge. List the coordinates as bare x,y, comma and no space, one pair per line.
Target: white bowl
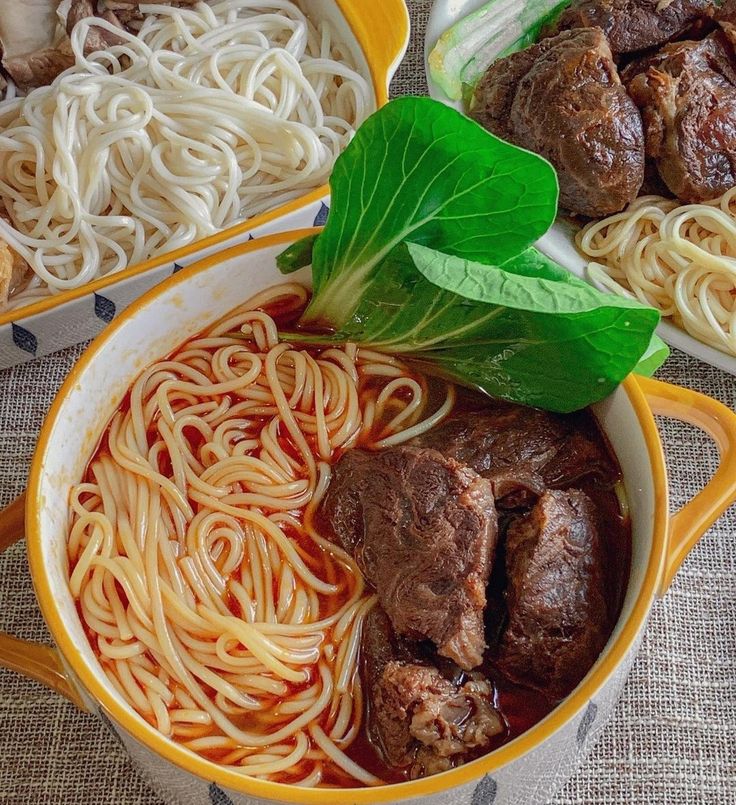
377,35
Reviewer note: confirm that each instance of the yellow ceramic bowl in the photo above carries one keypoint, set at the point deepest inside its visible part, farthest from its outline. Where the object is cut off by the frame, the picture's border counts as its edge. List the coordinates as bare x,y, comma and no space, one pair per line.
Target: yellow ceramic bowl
524,772
377,32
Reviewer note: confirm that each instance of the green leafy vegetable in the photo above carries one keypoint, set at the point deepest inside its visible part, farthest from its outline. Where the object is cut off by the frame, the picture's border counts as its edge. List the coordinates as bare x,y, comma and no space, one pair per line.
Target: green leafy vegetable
488,310
465,51
656,354
419,171
297,256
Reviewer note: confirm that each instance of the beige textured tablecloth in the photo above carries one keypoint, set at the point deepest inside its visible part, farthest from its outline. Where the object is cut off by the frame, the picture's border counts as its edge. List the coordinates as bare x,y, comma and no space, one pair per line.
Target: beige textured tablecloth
673,738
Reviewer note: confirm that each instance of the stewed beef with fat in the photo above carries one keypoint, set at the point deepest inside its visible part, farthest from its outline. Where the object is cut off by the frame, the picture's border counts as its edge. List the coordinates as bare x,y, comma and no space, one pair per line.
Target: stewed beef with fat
422,713
522,451
483,622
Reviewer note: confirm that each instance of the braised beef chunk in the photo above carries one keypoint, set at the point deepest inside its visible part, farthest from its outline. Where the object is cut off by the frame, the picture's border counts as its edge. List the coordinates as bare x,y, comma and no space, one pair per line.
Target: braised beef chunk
520,450
418,716
687,96
632,25
423,529
500,436
558,620
563,99
493,100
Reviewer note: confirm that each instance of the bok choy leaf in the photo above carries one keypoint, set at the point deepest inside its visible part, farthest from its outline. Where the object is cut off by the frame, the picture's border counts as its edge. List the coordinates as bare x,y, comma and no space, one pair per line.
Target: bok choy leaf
427,254
419,171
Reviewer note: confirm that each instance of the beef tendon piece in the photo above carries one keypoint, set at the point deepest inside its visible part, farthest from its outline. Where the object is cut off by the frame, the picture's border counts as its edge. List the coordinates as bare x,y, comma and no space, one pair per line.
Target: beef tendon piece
687,96
563,99
417,715
558,619
423,530
633,25
520,450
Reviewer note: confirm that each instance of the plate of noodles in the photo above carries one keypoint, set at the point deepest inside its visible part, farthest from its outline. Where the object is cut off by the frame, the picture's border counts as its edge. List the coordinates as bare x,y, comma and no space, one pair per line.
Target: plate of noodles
347,515
647,183
134,136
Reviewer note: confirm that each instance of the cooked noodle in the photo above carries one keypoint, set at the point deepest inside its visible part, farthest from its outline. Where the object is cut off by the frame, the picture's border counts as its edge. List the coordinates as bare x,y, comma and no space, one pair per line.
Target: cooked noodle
211,115
217,610
680,259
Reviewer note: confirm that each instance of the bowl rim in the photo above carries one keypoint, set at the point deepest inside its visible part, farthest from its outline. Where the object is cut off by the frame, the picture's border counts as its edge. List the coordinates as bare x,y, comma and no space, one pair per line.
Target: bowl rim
383,44
148,736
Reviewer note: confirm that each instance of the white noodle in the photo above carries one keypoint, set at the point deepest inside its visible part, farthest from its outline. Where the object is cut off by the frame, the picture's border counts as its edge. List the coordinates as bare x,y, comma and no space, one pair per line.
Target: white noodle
680,259
211,115
197,562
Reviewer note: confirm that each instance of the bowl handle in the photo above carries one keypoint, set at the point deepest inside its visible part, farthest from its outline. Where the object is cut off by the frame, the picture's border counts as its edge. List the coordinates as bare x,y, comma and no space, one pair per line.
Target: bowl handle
42,663
382,28
719,422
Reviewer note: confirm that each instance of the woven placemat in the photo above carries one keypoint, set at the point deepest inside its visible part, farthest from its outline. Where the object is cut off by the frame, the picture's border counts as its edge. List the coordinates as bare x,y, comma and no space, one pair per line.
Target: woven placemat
672,740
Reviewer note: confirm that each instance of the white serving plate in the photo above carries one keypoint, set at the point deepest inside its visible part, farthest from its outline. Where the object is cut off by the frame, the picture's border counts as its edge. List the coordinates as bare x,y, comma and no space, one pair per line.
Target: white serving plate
559,243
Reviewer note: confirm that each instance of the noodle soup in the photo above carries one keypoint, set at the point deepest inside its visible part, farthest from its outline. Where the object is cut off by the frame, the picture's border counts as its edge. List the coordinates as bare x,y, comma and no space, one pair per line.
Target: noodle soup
211,583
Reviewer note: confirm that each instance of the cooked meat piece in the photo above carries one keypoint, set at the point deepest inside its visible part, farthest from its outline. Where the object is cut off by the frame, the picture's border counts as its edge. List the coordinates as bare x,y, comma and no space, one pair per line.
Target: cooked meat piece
632,25
423,530
724,18
31,54
579,457
501,436
520,450
493,99
687,96
97,38
563,99
417,715
558,619
39,68
726,14
128,12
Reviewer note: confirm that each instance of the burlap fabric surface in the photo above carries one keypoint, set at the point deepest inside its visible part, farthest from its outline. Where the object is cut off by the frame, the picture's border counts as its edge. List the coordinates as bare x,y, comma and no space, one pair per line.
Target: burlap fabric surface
673,738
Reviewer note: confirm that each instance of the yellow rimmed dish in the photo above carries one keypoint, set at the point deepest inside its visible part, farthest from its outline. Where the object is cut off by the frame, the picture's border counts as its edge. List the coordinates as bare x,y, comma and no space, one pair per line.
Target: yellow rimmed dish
377,35
517,773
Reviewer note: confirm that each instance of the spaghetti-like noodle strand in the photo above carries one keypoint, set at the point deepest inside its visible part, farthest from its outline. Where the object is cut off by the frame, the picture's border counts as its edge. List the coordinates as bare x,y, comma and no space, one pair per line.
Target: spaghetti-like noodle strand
210,115
680,259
